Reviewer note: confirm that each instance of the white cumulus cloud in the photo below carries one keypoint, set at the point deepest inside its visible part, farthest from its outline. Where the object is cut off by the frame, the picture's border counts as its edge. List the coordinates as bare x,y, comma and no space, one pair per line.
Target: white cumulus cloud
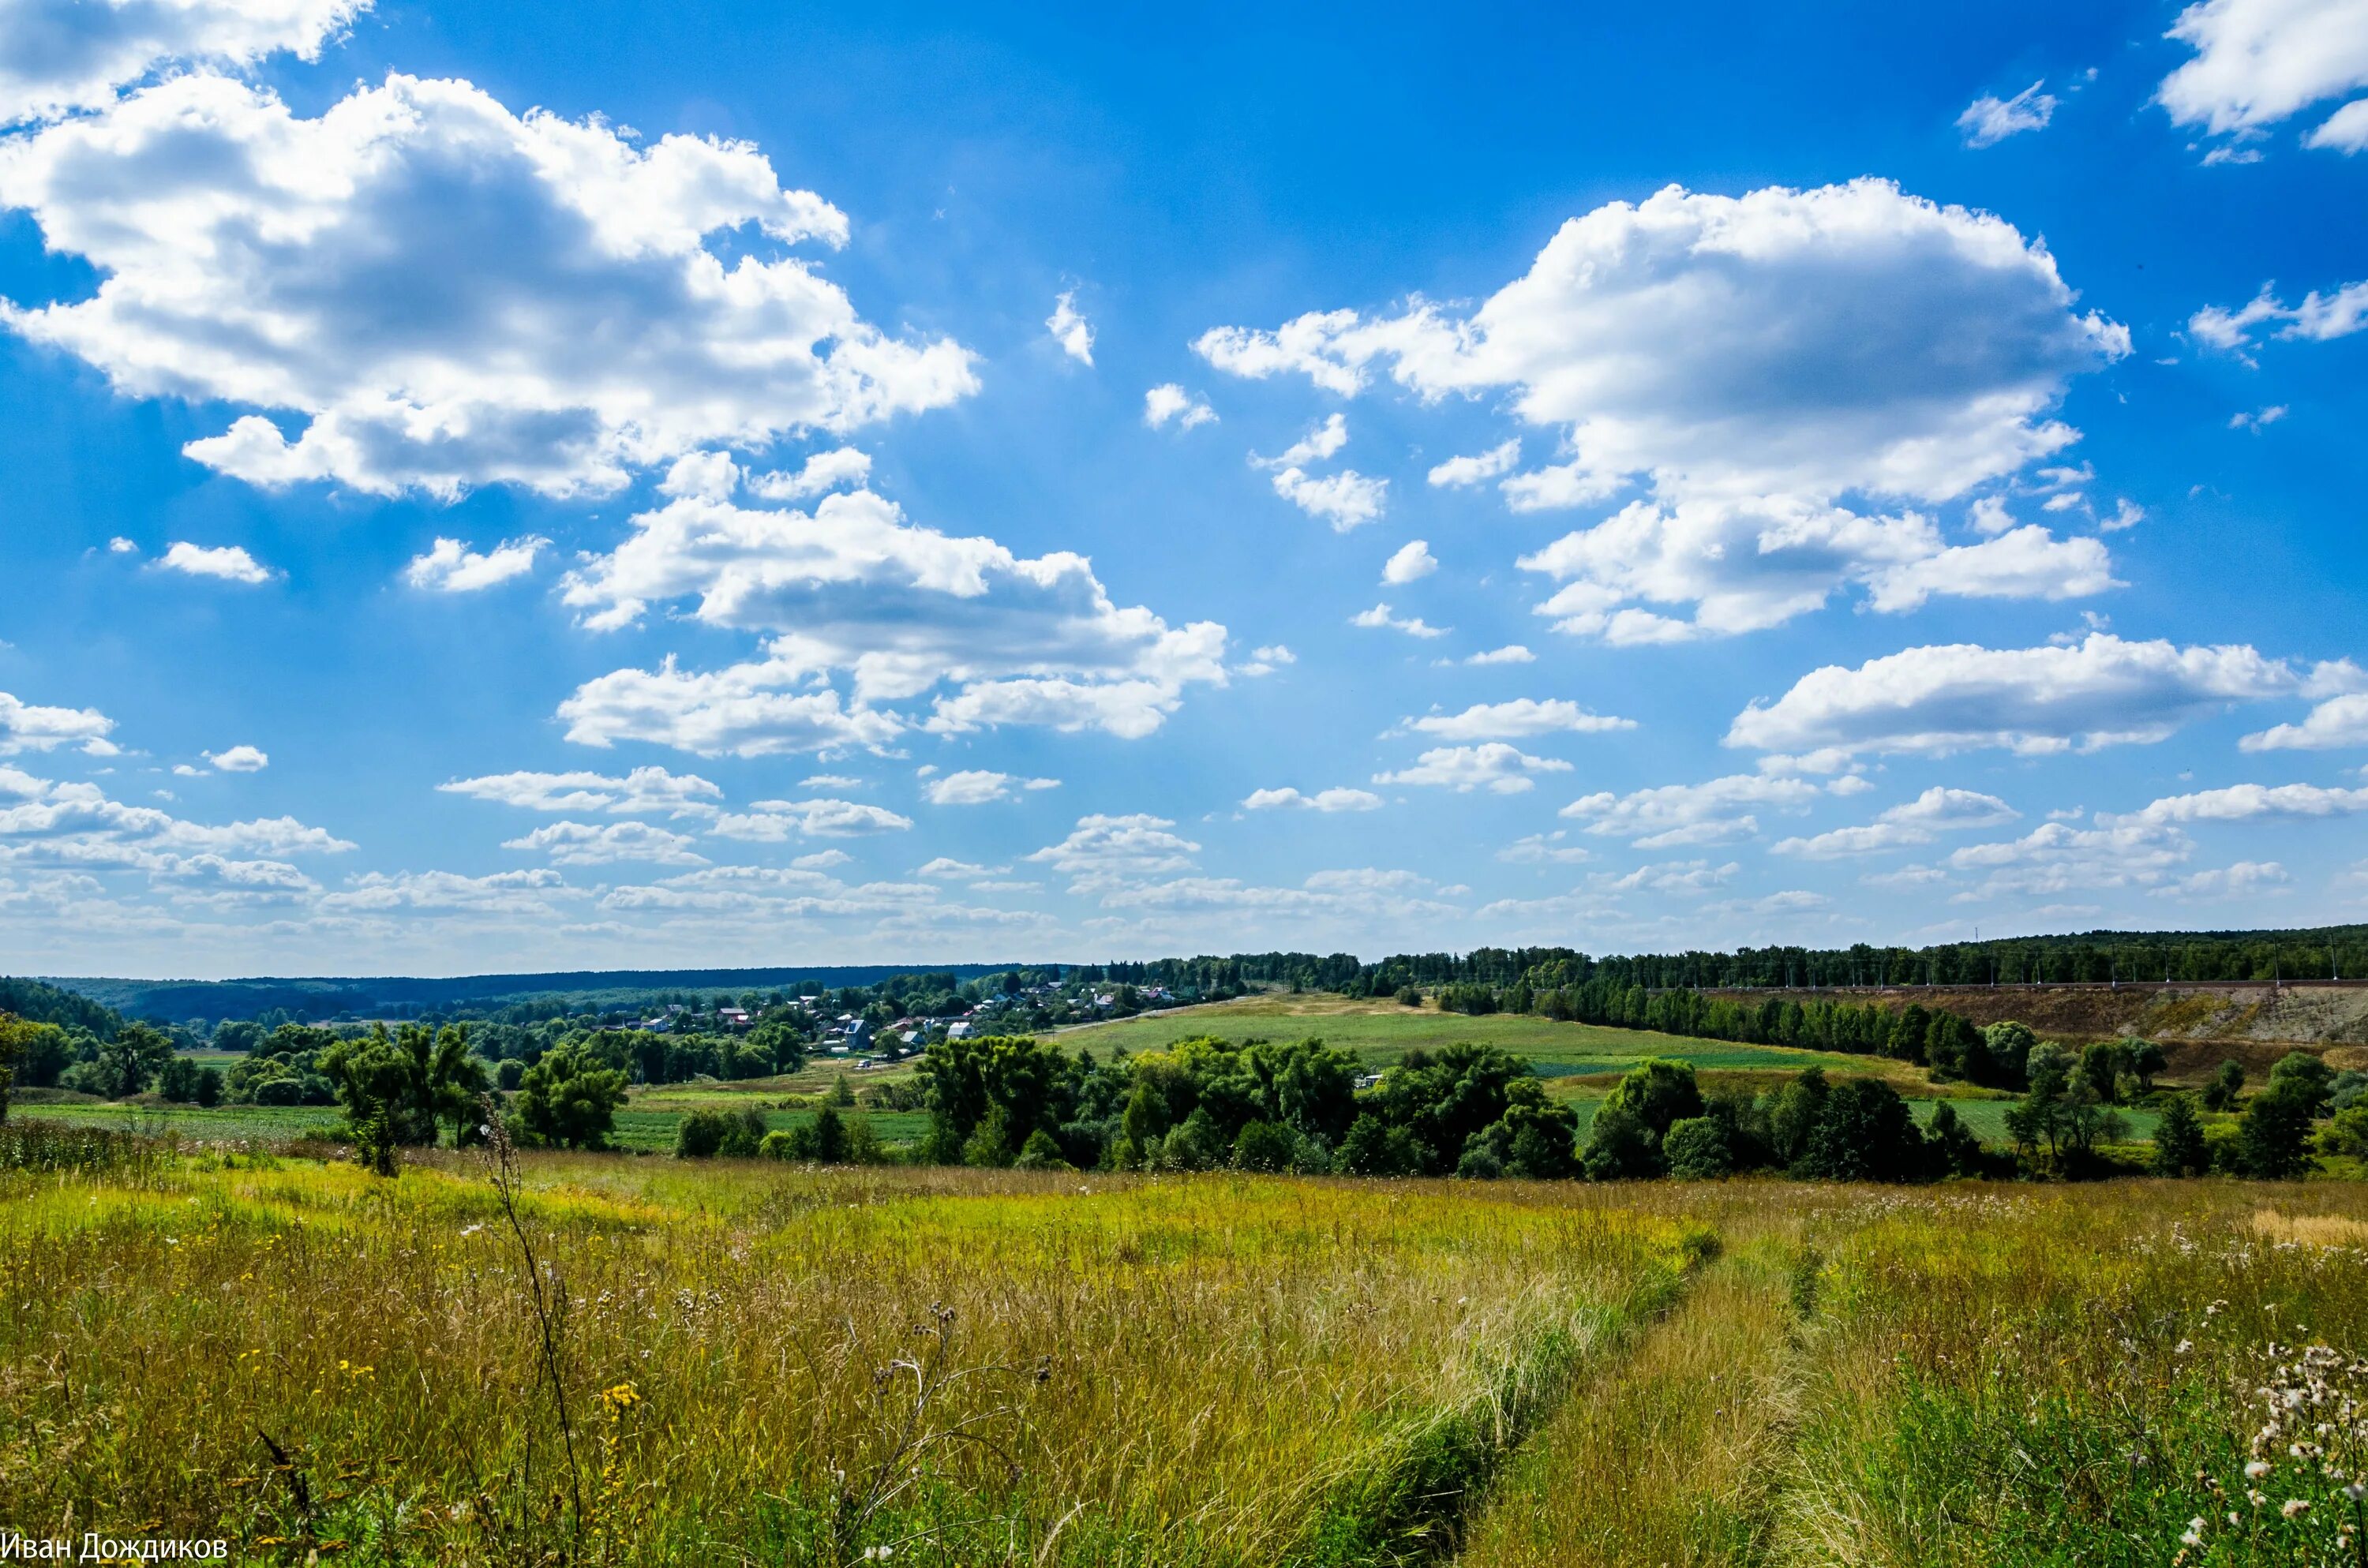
57,56
2260,61
977,786
452,567
1168,401
1411,562
26,726
2099,692
1496,766
643,791
1341,799
227,563
437,293
238,759
584,844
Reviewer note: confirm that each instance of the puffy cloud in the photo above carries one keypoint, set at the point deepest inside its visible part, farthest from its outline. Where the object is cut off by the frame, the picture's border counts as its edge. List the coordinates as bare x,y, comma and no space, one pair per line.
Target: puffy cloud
1671,814
760,709
238,759
1334,799
1787,342
1458,472
901,609
1266,660
57,56
1937,808
1070,330
2258,419
1496,766
1105,849
1749,565
452,567
76,825
2099,692
1511,653
771,822
1412,562
1346,499
1319,445
446,294
2338,722
229,562
1381,616
2317,319
503,893
2259,61
26,726
1511,720
639,793
819,474
1988,119
977,786
2249,803
582,844
1168,401
2055,859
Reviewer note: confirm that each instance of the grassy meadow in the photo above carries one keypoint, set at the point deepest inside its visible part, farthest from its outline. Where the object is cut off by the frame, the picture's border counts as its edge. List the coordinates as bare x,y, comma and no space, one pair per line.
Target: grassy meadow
761,1363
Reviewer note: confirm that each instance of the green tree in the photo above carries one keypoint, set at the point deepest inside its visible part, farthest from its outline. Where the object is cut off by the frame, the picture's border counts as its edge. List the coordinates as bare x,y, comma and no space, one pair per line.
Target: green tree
1799,1108
1620,1146
2146,1063
136,1054
410,1081
1867,1133
570,1099
2305,1076
1955,1150
1697,1149
16,1044
2273,1135
2179,1146
178,1081
2010,1044
2226,1088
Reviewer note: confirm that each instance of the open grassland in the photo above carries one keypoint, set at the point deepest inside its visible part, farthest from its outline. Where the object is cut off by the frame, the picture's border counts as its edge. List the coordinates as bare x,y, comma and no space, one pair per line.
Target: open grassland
763,1364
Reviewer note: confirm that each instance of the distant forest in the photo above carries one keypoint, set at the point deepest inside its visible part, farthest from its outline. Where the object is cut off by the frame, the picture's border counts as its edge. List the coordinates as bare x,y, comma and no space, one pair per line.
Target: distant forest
2328,952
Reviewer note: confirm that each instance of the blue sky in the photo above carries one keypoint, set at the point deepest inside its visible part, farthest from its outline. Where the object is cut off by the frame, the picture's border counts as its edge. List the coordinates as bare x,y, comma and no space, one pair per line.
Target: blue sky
510,487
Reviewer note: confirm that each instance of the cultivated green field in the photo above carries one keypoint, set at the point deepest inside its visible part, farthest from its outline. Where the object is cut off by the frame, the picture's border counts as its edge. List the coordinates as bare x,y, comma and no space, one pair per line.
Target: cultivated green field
1381,1032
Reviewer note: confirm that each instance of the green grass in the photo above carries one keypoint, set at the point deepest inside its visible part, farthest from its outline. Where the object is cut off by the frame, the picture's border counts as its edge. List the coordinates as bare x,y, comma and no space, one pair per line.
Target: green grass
1383,1032
638,1129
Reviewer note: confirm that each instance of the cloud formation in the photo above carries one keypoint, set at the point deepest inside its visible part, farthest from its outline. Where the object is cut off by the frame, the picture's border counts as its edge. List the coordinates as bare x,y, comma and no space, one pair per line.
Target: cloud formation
851,589
57,56
2097,692
440,294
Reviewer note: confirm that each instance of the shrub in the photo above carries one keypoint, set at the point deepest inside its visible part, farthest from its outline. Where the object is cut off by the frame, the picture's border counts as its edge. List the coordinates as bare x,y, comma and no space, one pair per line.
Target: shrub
1956,1151
1696,1148
1409,997
1263,1146
2226,1086
1041,1153
1620,1146
704,1134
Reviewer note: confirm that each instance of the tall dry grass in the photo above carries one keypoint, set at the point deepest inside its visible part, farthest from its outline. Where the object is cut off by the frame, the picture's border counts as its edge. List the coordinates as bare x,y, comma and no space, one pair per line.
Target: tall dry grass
768,1365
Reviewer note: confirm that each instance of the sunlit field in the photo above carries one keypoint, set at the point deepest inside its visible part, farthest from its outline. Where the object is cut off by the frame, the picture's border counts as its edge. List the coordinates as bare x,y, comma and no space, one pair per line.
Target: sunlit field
761,1364
745,1361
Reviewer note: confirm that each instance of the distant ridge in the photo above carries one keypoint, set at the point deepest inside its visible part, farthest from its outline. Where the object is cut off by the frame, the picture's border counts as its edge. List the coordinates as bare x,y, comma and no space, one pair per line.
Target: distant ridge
326,996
